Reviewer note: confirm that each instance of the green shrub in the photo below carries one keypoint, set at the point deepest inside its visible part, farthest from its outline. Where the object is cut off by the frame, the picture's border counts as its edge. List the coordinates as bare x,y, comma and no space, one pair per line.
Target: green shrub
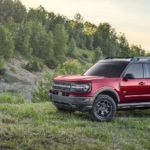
43,85
9,98
2,71
85,55
34,65
13,69
70,67
1,62
52,63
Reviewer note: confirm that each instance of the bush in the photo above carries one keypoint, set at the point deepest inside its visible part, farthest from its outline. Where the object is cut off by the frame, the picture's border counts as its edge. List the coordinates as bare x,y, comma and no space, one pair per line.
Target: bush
85,55
34,65
1,62
43,85
9,98
70,67
2,71
52,63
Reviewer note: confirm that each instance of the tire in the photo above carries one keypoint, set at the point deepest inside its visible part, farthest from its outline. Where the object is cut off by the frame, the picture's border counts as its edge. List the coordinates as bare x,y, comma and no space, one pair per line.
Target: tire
104,108
64,110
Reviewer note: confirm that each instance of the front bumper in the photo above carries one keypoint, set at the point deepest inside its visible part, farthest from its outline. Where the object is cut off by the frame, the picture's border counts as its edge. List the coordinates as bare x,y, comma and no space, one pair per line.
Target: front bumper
72,103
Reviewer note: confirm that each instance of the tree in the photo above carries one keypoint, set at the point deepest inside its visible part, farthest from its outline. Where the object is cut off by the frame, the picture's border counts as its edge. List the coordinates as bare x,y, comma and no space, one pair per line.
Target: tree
45,48
98,54
106,38
60,42
78,18
136,51
124,46
6,43
38,15
12,26
22,42
89,42
42,43
14,9
89,28
71,47
19,12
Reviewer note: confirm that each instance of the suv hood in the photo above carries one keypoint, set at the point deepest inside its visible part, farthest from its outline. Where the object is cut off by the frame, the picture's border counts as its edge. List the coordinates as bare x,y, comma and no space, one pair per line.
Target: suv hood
77,78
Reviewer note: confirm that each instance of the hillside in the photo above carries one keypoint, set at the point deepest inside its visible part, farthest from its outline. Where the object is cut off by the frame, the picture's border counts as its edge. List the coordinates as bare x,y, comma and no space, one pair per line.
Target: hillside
53,37
18,80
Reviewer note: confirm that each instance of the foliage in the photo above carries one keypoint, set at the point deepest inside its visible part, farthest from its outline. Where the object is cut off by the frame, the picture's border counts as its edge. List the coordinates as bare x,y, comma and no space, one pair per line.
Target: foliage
60,40
1,62
136,51
98,54
52,37
34,65
43,85
6,43
10,99
22,41
2,70
14,9
70,67
41,42
71,47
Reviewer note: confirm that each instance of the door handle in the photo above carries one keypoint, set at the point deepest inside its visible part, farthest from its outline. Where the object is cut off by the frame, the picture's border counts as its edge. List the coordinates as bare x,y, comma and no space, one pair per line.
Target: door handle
141,83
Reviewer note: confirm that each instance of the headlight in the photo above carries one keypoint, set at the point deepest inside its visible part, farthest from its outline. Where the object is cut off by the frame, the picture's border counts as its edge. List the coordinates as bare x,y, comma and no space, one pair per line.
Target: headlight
80,87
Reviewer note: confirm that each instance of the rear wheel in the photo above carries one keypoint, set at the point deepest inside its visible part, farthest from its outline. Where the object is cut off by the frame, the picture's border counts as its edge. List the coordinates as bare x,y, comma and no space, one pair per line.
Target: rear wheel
104,108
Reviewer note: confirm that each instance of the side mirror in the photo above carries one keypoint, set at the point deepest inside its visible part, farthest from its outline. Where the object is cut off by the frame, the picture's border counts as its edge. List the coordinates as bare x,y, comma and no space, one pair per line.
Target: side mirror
128,76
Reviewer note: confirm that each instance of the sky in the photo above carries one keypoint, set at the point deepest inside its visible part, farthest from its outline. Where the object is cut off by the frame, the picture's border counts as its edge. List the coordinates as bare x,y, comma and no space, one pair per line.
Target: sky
131,17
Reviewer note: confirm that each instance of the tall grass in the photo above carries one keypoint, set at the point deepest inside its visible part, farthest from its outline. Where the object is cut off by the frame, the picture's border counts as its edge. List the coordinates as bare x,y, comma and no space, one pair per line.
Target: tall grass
11,99
39,126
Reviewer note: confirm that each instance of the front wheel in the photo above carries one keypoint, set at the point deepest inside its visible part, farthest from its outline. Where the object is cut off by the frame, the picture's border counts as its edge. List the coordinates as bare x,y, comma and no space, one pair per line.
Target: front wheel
104,108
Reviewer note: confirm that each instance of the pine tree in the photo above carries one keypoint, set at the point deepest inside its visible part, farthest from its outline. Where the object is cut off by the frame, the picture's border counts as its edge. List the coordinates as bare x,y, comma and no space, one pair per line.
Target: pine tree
71,47
60,42
6,43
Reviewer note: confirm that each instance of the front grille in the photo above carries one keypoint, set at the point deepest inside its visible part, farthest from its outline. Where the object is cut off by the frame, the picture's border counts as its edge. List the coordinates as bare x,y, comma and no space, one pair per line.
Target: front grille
62,86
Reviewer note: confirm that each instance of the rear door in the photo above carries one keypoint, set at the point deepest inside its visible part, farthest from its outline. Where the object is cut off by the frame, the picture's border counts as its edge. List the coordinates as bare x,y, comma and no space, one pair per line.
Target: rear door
134,90
147,75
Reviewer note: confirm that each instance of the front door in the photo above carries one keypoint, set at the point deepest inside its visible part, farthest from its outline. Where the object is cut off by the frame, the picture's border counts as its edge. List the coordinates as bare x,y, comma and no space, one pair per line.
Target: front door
136,89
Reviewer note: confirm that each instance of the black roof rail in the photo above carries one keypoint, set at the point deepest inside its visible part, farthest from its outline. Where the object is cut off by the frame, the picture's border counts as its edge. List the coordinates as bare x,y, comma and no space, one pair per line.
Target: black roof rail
119,57
141,58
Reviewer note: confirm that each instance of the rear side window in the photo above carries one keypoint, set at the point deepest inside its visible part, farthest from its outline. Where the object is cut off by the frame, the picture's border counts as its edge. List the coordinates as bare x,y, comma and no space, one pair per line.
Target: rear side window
136,70
147,70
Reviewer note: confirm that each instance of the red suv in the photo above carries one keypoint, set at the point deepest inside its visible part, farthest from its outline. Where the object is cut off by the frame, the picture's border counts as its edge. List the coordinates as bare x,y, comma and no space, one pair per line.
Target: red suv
111,84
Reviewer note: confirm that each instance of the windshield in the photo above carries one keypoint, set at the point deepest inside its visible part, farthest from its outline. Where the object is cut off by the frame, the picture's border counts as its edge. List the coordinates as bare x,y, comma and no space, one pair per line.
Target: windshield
107,69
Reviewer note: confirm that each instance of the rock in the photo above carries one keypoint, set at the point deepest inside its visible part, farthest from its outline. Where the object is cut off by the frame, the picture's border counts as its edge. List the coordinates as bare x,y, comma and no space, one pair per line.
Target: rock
18,80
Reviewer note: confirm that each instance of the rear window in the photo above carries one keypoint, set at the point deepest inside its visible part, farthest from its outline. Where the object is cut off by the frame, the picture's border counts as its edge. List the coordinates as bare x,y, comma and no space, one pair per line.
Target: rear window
107,69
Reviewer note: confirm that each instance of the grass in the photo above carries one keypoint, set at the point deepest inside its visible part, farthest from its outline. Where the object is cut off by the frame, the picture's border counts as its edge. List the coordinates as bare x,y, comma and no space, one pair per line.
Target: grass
8,98
39,126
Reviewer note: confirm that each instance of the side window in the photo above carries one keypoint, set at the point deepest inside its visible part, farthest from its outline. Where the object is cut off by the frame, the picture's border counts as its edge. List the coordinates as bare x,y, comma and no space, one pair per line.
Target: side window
136,70
147,70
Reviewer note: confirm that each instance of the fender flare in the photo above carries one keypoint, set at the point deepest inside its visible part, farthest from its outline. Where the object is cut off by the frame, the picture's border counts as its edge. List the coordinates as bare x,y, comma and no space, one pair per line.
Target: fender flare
108,89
